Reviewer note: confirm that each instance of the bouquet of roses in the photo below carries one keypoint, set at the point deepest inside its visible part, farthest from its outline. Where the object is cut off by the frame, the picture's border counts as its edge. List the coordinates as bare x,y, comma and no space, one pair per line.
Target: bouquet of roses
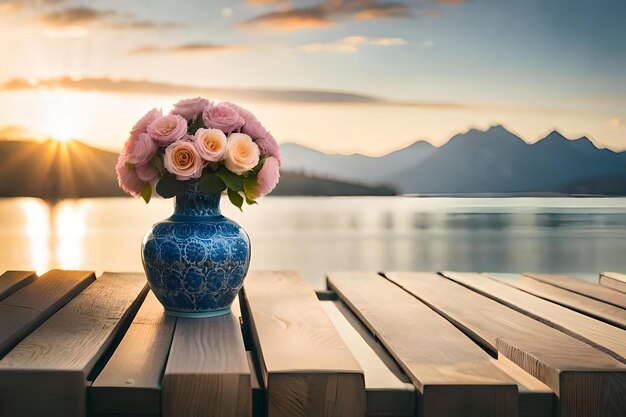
223,146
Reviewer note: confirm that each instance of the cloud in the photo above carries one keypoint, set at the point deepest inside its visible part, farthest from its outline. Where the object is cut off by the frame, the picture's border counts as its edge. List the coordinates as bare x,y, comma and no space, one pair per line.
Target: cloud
186,48
618,122
449,2
265,2
6,8
327,13
351,44
383,11
74,16
293,96
291,19
9,132
82,17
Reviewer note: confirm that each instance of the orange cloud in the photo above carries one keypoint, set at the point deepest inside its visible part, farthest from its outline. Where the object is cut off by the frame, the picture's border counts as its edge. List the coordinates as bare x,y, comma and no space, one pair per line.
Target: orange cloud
265,2
10,8
382,11
74,16
327,13
186,48
292,19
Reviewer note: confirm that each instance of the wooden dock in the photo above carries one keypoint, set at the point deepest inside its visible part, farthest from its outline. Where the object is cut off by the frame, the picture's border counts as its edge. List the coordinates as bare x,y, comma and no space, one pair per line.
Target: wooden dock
393,344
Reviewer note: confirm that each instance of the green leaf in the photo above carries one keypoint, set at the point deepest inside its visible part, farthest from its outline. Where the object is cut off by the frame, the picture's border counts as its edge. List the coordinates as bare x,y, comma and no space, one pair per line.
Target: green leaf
212,184
232,180
250,183
169,186
146,193
235,198
194,125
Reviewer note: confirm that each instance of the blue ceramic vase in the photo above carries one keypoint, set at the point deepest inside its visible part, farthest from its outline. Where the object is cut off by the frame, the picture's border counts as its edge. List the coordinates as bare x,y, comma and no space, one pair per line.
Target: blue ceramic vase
196,260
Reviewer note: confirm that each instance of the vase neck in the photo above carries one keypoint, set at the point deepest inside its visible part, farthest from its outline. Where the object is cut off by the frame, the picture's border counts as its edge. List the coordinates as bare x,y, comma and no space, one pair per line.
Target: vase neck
194,203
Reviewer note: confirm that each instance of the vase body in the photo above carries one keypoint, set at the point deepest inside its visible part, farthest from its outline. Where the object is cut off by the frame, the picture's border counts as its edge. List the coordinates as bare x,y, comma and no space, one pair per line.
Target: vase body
196,260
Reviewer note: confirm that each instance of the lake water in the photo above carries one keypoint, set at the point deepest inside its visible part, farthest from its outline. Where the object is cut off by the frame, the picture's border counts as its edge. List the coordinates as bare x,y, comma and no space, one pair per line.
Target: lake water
316,235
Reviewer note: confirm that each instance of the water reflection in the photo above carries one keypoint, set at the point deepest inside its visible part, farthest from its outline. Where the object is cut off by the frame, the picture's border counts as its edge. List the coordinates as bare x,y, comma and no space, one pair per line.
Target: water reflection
70,228
317,235
37,230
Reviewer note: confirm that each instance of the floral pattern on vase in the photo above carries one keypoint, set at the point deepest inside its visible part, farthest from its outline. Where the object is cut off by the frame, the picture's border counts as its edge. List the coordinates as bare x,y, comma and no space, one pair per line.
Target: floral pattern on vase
196,260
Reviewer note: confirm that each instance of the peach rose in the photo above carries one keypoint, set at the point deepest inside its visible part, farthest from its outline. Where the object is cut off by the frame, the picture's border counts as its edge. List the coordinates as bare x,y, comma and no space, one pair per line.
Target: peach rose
210,143
242,154
183,160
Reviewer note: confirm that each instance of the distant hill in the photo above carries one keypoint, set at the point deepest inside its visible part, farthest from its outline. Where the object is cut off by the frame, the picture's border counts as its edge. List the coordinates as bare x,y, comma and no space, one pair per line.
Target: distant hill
479,162
354,168
51,171
298,184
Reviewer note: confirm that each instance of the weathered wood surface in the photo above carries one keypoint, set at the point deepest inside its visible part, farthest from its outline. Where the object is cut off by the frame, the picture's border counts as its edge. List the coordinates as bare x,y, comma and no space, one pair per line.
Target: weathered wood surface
455,377
46,373
602,336
207,373
387,394
27,308
12,281
560,361
579,286
613,280
585,305
306,367
130,383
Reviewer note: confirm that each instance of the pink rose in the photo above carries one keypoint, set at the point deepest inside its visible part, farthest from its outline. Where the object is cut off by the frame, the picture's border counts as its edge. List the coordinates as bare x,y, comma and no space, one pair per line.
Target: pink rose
268,177
183,160
190,108
142,125
211,144
261,136
139,149
167,129
242,154
127,178
222,117
147,172
268,146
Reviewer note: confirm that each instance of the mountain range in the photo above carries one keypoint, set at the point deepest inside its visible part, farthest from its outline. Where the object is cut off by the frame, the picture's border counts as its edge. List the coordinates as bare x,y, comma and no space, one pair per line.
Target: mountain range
494,161
474,162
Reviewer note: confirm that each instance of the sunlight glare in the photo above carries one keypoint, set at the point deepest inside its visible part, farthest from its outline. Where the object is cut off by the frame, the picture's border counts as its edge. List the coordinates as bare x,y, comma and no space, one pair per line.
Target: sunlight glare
70,230
59,121
37,216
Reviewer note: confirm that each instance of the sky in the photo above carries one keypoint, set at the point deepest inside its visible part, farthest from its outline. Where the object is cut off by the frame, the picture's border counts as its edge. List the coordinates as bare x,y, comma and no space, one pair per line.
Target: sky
367,76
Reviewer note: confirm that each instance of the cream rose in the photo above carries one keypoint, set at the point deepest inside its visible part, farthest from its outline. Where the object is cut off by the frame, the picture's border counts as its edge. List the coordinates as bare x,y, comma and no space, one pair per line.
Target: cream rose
210,144
183,160
242,154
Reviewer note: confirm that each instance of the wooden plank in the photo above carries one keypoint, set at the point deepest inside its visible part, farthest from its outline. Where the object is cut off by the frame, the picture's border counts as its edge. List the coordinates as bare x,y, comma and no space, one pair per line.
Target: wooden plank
306,367
588,306
130,382
561,362
454,376
536,399
12,281
588,289
605,337
46,374
613,280
207,373
387,394
258,391
24,310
